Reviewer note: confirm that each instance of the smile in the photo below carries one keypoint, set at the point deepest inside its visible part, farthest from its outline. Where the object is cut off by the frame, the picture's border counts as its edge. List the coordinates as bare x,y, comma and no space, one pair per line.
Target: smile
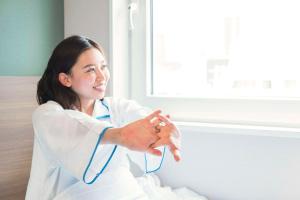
100,88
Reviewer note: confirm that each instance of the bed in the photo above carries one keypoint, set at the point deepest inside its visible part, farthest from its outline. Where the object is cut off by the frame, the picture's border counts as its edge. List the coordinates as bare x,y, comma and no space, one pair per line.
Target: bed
17,101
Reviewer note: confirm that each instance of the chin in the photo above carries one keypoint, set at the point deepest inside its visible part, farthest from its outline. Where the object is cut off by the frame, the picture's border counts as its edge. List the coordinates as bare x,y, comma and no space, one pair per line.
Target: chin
100,96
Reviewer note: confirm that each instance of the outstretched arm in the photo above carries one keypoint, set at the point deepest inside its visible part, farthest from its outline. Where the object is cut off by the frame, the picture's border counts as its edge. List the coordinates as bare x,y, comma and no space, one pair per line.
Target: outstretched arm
139,135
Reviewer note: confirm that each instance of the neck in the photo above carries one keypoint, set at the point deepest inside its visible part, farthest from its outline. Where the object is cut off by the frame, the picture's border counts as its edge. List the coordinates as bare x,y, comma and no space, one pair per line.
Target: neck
87,107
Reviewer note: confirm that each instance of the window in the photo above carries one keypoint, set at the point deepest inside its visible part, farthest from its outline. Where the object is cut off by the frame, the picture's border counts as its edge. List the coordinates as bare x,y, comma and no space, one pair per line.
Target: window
224,61
219,48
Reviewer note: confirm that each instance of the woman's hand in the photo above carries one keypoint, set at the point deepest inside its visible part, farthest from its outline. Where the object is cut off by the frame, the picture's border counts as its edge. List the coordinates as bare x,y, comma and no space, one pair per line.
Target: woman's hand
141,134
147,134
169,135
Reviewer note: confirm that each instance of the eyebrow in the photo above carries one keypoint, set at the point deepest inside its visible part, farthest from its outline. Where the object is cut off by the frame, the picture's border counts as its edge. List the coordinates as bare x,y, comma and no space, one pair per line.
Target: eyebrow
90,65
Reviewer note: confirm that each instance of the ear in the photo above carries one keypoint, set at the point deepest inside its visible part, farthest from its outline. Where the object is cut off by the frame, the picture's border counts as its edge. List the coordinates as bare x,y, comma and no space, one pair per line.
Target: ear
64,79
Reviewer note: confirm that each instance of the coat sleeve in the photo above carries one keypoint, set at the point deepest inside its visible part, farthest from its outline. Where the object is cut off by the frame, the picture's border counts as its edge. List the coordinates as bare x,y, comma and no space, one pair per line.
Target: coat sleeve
130,111
68,138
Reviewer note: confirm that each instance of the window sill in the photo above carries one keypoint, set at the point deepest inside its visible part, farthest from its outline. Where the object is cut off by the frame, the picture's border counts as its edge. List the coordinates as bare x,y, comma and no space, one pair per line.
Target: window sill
269,131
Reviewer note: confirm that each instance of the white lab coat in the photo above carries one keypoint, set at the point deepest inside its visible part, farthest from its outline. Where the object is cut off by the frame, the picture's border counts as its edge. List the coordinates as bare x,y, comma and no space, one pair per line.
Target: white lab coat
63,144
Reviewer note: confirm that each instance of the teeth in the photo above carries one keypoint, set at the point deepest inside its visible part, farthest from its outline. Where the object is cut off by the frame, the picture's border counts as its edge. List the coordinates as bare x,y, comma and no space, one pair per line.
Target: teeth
99,87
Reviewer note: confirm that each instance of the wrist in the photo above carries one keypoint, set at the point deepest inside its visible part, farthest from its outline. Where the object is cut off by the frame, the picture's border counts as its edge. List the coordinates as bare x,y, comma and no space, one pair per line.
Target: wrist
113,136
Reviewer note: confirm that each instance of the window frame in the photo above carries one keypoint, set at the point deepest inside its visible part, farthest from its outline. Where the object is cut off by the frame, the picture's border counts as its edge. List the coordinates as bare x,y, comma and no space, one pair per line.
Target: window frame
281,112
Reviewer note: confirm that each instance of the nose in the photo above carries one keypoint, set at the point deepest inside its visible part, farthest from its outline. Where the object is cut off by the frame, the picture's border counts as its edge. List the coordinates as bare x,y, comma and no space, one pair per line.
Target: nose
100,74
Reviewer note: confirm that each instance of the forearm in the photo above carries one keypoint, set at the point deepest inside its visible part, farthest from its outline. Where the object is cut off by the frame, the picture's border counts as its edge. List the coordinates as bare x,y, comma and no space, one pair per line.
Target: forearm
112,136
138,135
133,136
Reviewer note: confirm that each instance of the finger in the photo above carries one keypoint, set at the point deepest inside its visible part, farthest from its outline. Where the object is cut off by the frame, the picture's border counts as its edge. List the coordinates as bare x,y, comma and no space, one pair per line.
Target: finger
172,147
177,155
152,123
155,125
164,119
154,151
155,121
175,151
176,142
152,115
172,141
160,142
169,123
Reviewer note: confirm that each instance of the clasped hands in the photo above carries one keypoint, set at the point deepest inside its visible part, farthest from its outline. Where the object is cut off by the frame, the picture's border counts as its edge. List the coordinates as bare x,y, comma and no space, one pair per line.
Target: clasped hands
151,132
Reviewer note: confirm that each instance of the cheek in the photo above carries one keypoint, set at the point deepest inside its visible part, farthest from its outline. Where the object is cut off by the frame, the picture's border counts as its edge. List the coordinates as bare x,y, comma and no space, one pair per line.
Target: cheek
84,81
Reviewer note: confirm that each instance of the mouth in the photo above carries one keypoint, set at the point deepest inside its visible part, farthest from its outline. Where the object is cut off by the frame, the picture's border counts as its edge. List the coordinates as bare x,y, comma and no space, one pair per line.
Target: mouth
100,88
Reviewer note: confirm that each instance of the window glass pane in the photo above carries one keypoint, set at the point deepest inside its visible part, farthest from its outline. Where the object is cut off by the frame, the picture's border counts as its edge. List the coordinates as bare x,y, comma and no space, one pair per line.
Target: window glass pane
226,48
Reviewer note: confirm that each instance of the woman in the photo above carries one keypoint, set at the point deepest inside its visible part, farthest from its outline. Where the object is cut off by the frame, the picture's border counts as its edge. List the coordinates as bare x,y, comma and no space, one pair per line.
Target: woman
83,139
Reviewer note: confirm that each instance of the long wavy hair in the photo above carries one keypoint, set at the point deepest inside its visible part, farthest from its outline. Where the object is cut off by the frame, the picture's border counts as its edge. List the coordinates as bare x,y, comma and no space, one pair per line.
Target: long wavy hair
63,58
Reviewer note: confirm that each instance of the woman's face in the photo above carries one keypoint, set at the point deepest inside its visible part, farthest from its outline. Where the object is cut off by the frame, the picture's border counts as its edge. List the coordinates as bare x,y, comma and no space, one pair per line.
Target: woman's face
89,75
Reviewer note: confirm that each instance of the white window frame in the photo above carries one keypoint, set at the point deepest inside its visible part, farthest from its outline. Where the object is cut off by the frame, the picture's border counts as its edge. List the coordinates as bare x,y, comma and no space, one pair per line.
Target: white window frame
243,111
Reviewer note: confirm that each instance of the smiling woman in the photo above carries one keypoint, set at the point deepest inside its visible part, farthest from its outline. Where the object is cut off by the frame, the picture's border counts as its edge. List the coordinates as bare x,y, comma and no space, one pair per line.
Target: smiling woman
88,78
83,137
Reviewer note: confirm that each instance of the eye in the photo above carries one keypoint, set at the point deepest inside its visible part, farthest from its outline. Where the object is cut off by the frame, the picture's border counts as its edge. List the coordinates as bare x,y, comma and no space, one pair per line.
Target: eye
103,67
91,69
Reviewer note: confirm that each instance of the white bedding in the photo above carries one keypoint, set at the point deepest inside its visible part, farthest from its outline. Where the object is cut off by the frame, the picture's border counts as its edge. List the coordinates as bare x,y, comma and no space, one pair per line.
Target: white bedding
152,187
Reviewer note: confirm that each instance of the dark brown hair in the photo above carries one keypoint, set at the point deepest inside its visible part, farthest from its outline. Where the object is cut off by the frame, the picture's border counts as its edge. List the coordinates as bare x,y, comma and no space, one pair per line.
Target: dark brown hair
63,58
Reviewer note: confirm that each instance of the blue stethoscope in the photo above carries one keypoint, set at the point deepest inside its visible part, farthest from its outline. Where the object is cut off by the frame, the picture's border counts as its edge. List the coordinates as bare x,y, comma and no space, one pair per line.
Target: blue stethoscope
107,116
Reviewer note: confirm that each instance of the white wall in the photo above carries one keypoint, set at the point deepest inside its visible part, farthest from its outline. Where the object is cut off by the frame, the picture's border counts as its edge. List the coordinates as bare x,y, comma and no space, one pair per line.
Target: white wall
225,166
89,18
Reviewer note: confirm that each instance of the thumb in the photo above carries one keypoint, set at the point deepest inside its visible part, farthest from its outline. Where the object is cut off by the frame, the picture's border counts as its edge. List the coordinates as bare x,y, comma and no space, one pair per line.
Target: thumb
159,143
154,151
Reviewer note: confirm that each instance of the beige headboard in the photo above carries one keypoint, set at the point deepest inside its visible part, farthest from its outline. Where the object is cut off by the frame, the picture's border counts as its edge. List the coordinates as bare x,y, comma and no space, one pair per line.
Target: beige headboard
17,101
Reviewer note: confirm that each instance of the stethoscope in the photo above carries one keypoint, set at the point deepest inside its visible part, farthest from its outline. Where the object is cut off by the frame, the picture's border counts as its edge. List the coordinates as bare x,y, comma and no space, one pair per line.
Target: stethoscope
107,116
